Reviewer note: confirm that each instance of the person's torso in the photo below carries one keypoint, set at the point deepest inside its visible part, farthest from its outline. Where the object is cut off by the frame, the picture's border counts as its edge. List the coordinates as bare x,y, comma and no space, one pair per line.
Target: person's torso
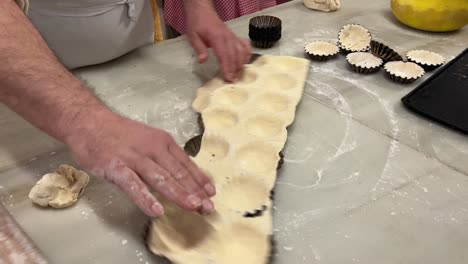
86,32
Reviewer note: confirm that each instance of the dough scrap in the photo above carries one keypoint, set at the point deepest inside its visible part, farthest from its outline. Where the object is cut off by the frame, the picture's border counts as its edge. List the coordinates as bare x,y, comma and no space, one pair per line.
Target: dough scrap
323,5
240,150
61,188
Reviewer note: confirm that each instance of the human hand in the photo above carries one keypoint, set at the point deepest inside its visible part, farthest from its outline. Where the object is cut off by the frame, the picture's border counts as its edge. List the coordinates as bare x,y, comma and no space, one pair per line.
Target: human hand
140,159
206,30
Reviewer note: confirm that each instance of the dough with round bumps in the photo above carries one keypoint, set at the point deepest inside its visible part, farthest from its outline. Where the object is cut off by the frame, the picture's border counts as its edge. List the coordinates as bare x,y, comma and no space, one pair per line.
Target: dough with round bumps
245,129
323,5
59,189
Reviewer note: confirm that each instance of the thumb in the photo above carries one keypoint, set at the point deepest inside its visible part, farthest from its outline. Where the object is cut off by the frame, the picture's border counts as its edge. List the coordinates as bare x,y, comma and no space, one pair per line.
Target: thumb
200,48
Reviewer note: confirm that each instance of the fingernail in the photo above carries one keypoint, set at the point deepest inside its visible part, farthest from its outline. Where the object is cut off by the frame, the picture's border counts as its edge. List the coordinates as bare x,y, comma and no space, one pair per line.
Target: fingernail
194,201
208,206
210,189
157,209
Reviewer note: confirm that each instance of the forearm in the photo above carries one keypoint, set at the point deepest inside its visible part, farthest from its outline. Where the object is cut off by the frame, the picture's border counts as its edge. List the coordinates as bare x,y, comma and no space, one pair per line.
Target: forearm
34,84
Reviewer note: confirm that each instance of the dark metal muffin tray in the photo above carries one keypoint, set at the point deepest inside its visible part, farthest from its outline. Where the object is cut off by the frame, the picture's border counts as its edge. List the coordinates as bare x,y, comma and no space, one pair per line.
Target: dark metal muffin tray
443,97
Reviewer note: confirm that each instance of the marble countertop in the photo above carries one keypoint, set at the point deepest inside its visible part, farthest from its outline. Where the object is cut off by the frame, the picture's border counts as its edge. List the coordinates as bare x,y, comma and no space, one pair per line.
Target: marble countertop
365,181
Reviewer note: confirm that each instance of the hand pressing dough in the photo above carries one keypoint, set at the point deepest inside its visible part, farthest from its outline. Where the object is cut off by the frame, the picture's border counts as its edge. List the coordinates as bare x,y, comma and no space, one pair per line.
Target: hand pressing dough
59,189
245,129
323,5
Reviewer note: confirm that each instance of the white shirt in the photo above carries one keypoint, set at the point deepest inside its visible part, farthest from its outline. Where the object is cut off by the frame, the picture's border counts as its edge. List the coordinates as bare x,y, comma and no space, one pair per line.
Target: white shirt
86,32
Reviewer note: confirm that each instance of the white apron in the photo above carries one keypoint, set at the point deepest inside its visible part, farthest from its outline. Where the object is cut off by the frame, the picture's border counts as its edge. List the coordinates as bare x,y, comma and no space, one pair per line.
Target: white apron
86,32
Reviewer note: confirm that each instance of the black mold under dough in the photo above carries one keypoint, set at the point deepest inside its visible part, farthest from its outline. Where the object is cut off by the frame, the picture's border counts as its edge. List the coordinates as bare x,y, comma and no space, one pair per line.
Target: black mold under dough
273,250
281,161
192,147
254,57
272,195
255,213
146,230
201,124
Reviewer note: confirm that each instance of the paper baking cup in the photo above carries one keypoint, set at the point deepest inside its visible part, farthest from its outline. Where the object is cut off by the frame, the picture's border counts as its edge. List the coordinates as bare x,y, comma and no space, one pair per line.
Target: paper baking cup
192,147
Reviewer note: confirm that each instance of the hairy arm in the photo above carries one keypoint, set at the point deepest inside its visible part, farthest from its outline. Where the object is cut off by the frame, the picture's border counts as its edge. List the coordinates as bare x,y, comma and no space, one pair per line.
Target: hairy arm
34,84
137,158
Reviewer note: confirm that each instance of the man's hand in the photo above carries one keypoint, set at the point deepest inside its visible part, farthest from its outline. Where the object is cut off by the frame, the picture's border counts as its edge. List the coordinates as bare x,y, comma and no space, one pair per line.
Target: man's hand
135,157
206,30
139,159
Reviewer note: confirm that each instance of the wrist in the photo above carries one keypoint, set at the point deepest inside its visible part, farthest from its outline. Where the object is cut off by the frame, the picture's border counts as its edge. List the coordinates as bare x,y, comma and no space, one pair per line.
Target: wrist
86,123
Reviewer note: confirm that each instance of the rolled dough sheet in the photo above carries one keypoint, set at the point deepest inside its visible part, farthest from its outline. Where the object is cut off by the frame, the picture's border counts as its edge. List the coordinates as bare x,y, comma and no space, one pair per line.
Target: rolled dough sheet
245,129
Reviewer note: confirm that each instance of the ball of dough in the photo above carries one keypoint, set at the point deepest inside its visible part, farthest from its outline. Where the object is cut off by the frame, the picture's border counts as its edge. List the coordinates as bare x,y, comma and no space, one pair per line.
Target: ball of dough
60,188
323,5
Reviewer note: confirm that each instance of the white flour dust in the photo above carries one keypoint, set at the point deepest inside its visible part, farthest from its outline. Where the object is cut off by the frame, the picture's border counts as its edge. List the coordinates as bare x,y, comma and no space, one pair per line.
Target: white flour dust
395,129
348,142
341,104
175,115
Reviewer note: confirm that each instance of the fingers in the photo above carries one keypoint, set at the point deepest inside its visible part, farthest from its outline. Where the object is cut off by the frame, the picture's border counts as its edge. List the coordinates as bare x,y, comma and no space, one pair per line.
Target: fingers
247,50
200,178
196,182
232,53
185,176
224,55
235,58
161,181
239,51
181,175
129,182
199,47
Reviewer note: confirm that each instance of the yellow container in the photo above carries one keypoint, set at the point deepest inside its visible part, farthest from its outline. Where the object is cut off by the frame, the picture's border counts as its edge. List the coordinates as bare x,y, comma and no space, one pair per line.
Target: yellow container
432,15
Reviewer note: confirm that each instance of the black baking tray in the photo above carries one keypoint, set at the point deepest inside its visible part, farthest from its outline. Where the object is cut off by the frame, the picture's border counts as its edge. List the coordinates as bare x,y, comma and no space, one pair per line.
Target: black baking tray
443,97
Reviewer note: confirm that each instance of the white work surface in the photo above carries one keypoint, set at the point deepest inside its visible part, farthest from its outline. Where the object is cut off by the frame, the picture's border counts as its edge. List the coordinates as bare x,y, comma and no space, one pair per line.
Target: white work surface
365,181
